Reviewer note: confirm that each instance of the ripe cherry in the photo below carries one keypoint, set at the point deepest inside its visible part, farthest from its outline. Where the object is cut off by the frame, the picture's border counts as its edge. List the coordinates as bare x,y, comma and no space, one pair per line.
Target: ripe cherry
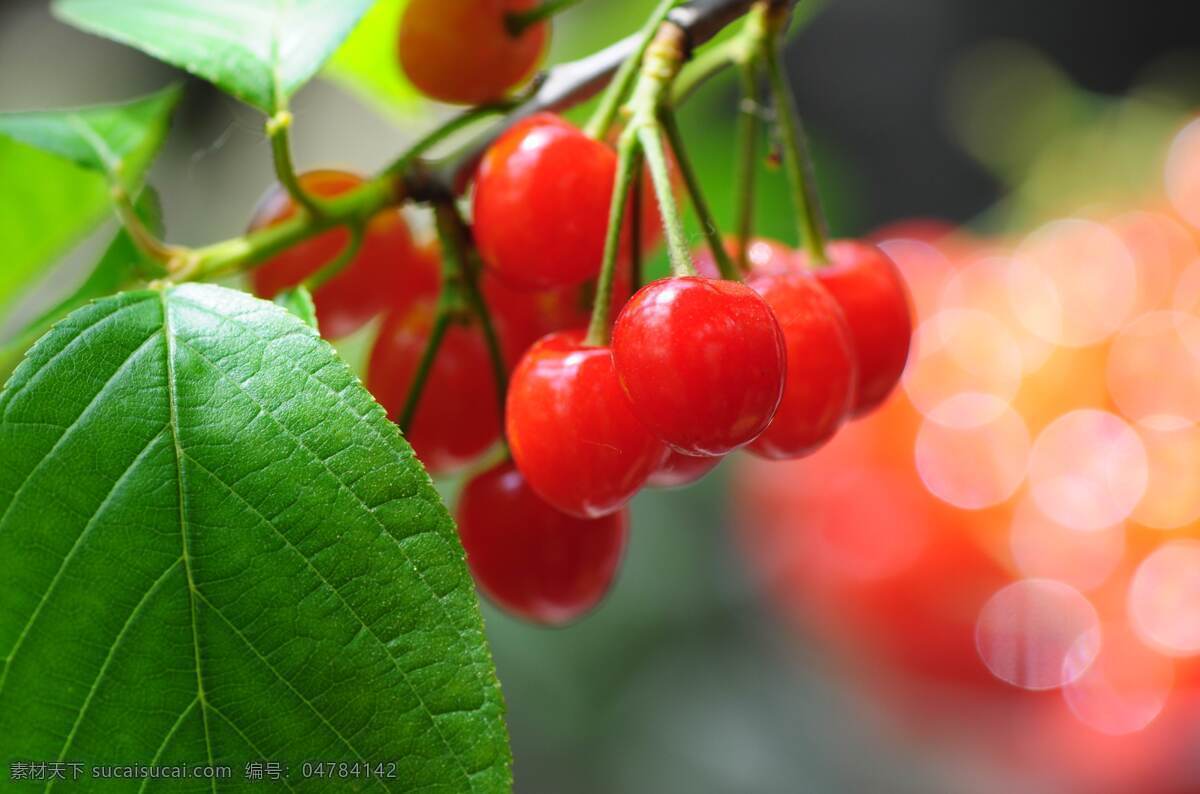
387,269
460,51
537,562
819,391
680,470
457,418
866,283
542,195
703,362
571,428
762,255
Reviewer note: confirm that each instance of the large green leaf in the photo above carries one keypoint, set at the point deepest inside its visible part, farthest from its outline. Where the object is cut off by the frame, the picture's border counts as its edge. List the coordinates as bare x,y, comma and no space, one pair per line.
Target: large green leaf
261,51
118,140
215,547
367,64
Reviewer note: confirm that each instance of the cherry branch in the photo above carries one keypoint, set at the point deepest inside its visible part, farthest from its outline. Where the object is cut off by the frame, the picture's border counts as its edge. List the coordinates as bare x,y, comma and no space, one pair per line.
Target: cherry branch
421,180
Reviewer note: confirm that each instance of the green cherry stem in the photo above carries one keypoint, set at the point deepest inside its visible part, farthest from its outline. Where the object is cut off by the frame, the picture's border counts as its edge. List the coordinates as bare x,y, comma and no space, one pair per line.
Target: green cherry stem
708,224
797,162
142,237
337,264
285,171
517,22
628,166
237,253
660,174
707,63
441,323
440,133
449,303
747,161
606,112
635,232
459,250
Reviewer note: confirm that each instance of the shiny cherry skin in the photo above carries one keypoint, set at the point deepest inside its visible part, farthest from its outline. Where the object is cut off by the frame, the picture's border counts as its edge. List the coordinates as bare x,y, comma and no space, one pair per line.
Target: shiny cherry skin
386,270
542,196
532,560
457,418
868,286
821,373
680,470
528,315
571,428
762,255
459,51
703,362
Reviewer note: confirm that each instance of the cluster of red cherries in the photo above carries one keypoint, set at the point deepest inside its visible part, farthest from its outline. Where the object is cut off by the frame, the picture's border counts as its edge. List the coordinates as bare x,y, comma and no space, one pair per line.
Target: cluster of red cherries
697,366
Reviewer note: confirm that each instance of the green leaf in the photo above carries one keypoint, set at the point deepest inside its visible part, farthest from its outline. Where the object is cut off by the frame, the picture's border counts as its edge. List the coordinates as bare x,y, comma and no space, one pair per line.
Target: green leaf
366,63
118,140
120,263
299,301
260,51
46,205
214,547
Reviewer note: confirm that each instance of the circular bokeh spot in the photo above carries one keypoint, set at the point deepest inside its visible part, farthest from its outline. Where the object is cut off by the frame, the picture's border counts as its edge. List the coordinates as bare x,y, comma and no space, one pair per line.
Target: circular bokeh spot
976,458
1123,688
958,351
1163,598
1072,282
1088,470
1027,631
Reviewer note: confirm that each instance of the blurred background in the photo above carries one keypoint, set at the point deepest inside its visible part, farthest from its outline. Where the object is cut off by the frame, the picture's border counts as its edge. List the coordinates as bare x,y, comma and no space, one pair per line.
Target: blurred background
988,586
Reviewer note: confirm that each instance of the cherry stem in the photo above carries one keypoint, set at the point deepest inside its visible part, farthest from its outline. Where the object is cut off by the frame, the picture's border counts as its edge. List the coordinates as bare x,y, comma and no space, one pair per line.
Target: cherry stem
285,171
411,177
143,238
460,254
660,174
517,22
797,162
747,161
708,224
441,323
628,166
606,112
435,136
706,64
635,232
337,264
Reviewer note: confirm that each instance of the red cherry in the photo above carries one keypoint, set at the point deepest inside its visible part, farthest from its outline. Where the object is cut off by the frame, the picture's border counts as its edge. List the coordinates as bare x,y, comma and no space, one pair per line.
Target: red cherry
542,195
460,50
386,270
571,428
819,391
868,286
535,561
703,362
763,256
457,419
680,470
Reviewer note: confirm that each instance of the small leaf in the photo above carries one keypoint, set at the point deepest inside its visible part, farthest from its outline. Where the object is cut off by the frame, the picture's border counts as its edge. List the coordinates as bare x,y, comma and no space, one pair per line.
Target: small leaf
215,549
118,140
260,51
46,205
367,64
120,263
299,301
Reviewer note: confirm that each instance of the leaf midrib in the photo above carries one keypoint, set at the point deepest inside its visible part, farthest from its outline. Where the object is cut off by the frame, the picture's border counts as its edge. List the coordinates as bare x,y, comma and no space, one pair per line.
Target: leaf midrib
193,593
